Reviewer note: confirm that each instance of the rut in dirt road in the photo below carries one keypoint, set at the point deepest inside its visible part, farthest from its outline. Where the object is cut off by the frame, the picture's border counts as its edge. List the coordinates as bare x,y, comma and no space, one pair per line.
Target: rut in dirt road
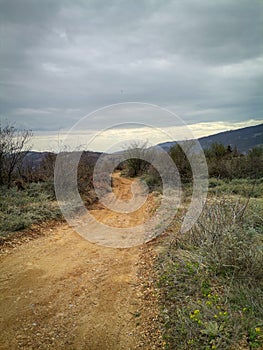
62,292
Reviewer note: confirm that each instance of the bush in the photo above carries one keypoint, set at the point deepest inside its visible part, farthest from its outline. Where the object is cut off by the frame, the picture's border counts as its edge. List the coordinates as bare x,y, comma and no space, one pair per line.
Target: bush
243,187
211,280
229,241
181,161
20,209
153,180
225,163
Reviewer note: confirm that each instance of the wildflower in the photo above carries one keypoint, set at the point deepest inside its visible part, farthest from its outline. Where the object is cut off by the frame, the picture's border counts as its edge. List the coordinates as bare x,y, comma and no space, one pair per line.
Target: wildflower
257,329
196,312
215,316
208,303
225,313
213,346
244,309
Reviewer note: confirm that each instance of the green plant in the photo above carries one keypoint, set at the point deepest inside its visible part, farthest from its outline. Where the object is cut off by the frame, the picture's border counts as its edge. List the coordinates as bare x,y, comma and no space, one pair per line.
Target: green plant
20,209
153,181
242,187
210,280
228,240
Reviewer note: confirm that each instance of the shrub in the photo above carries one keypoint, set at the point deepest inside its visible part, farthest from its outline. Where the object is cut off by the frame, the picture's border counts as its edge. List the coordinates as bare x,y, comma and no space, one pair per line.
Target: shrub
211,280
153,180
243,187
229,241
20,209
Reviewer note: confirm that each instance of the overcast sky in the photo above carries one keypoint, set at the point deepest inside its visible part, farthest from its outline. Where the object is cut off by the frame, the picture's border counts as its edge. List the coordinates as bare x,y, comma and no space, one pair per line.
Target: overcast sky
61,60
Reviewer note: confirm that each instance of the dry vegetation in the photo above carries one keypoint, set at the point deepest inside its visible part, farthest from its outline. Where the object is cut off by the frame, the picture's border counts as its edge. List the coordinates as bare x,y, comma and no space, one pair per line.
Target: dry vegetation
211,279
208,282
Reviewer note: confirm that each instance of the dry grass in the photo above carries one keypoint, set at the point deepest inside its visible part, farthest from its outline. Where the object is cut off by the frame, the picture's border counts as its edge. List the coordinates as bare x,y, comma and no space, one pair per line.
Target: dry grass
211,280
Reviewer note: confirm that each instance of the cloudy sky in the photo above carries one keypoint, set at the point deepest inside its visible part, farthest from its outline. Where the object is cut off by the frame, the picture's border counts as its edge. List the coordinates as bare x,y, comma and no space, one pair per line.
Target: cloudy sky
61,60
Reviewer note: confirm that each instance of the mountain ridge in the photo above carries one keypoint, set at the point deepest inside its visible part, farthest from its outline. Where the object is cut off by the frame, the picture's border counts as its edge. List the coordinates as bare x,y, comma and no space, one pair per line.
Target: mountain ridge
244,139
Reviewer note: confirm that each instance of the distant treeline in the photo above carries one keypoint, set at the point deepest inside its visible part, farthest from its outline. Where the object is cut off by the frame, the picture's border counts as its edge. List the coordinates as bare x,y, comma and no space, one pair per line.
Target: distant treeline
223,162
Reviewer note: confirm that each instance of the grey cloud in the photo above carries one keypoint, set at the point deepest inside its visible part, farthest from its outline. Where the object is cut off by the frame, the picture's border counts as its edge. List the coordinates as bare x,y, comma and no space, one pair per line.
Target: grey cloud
218,32
202,59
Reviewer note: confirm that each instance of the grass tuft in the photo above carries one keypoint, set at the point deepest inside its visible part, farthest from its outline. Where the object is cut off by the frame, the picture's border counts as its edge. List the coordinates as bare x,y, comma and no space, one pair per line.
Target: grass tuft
211,280
20,209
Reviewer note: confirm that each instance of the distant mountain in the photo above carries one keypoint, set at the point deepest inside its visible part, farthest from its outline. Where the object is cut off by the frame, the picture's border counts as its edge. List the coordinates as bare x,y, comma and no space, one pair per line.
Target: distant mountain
244,139
34,158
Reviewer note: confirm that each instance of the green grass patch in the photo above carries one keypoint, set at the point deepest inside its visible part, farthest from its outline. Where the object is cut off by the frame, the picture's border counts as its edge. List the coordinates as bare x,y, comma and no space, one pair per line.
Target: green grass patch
242,187
20,209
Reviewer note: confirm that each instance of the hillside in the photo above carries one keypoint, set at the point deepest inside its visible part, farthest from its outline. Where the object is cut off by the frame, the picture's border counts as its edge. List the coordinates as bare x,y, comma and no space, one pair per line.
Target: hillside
34,158
244,139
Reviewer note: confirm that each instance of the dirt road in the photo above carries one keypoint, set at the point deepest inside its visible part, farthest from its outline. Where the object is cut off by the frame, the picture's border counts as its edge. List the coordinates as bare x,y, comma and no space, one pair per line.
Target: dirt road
61,292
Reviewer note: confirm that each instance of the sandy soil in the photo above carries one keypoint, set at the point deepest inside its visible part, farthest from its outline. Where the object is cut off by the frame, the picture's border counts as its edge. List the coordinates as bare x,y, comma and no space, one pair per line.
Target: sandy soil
60,291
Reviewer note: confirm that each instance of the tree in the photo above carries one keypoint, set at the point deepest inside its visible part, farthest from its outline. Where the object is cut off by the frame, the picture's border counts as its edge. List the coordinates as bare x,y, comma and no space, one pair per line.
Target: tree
219,160
216,151
135,158
255,162
14,146
181,160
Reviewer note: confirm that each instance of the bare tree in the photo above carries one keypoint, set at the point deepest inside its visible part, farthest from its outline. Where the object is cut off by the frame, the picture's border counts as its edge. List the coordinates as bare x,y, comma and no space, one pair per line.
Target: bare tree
135,158
14,146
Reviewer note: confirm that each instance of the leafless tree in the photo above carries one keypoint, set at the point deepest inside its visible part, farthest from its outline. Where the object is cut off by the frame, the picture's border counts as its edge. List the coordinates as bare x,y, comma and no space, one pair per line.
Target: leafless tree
135,155
14,146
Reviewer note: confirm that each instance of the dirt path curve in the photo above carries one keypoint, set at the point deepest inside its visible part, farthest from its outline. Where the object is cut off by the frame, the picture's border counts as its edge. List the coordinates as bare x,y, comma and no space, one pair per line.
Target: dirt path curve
61,292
